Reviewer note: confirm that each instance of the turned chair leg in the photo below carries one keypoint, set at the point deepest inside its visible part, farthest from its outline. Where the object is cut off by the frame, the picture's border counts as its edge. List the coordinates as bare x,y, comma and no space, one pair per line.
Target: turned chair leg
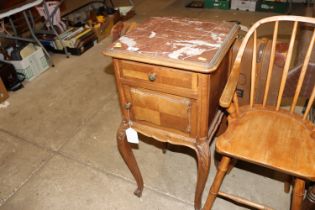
287,184
231,166
297,194
213,192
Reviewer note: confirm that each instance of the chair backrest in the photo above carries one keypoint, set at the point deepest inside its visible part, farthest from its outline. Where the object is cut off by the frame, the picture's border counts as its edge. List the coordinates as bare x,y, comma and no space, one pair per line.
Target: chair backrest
305,68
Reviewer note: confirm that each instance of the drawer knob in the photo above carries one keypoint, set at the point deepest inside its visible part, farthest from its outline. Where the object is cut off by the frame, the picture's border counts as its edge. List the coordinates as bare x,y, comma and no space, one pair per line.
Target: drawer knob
152,77
127,105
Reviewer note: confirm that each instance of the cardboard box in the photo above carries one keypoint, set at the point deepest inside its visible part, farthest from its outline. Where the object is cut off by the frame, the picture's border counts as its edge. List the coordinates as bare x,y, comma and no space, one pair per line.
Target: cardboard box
3,92
244,5
102,30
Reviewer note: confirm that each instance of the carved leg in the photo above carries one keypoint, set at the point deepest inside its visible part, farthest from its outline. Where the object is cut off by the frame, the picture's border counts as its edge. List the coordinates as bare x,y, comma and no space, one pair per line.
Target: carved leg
223,167
203,157
297,194
126,153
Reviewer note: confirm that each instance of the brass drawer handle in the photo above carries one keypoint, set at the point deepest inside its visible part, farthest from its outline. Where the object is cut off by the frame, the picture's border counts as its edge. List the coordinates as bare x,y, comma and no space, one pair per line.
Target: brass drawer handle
152,76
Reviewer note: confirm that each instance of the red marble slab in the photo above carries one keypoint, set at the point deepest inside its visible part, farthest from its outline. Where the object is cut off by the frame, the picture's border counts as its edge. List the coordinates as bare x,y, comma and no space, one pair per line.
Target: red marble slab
181,40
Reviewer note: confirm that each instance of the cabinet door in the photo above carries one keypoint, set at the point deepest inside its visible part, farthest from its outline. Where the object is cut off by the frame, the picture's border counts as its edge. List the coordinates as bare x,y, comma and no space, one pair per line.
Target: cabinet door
162,110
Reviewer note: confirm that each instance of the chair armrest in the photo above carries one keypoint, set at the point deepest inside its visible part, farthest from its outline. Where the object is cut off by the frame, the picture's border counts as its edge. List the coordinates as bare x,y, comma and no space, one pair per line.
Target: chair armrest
230,87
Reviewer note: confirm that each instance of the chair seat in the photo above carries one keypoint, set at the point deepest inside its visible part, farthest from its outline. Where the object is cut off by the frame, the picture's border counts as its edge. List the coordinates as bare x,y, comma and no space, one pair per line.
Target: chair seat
276,140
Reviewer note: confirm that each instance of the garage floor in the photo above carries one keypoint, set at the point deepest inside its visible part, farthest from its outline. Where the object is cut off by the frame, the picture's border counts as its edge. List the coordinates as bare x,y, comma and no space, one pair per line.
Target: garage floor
58,147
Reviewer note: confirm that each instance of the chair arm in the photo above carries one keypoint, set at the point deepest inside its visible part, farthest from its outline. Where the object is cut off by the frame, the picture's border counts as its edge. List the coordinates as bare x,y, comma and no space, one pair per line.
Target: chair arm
230,87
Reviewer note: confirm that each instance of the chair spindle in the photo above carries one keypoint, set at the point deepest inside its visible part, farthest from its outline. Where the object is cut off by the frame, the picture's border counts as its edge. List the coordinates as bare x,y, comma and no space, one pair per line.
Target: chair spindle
271,63
286,65
253,73
235,100
303,73
309,104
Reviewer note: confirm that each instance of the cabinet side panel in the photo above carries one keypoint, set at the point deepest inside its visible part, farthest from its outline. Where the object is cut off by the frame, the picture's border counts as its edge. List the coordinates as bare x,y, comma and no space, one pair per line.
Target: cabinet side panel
122,97
217,83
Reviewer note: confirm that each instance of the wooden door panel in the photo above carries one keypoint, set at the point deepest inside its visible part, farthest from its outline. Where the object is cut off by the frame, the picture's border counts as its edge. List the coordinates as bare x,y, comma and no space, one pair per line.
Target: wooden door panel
165,110
182,124
145,114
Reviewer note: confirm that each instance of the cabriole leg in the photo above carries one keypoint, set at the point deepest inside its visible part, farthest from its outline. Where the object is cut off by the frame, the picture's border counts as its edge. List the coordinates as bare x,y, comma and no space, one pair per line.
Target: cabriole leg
128,156
203,157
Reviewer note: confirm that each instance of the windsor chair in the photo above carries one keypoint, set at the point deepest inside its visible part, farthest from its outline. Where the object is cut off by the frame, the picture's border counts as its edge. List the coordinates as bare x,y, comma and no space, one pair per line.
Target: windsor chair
268,134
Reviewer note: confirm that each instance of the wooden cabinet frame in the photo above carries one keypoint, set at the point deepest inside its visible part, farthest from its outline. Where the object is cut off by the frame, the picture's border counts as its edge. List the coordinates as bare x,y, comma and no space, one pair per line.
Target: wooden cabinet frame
204,104
183,64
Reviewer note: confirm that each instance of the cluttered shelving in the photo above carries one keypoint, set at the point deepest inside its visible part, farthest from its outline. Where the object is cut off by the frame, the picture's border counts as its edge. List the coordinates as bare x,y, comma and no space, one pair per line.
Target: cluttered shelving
25,54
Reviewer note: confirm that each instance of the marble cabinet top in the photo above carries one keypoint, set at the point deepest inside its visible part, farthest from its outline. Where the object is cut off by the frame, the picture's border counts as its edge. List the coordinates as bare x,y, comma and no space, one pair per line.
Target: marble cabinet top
190,44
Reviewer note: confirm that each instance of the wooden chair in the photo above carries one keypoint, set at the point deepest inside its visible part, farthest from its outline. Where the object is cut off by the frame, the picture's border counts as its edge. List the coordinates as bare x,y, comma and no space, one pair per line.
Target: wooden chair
264,134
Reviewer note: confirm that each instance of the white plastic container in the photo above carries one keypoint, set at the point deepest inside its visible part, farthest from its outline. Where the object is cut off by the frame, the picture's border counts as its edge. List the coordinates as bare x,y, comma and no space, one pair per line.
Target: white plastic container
244,5
32,65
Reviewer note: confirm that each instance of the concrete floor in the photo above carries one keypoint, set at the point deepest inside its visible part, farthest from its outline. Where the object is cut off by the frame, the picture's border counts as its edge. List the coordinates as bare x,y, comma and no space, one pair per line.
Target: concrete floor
58,147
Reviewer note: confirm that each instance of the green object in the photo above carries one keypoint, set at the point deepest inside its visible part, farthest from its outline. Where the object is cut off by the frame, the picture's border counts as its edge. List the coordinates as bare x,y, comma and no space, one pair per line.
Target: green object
271,6
219,4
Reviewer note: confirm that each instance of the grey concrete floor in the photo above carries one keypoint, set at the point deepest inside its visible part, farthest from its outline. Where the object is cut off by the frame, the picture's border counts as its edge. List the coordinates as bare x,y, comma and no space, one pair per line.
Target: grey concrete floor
58,147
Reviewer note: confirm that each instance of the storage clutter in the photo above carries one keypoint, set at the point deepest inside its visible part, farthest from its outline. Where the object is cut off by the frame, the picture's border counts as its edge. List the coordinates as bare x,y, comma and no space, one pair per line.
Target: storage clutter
75,32
85,26
29,61
76,40
277,6
32,64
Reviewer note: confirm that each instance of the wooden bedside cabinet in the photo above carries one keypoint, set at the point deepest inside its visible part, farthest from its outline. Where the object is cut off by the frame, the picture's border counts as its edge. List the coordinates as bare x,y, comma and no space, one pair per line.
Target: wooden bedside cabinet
170,73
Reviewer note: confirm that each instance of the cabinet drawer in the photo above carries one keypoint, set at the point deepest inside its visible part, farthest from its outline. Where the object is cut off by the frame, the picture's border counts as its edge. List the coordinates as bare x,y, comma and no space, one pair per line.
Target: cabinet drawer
164,110
158,75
